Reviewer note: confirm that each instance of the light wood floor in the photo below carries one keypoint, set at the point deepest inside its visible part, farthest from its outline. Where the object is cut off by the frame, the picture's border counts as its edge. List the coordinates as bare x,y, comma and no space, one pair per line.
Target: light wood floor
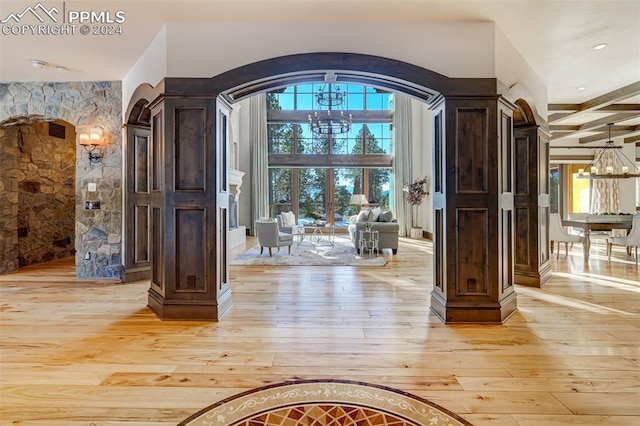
88,352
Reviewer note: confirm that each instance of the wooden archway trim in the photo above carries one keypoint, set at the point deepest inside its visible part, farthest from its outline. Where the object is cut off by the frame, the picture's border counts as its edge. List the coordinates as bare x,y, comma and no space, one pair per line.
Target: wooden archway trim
472,194
392,74
523,115
137,111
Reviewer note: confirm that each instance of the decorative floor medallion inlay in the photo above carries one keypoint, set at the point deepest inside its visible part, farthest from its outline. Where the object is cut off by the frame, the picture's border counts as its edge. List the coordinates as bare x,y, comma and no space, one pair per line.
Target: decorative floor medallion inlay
324,403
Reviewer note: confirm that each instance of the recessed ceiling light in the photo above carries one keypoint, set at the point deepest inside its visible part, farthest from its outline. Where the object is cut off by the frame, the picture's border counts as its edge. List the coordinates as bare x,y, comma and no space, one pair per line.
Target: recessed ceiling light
37,63
580,89
600,46
61,69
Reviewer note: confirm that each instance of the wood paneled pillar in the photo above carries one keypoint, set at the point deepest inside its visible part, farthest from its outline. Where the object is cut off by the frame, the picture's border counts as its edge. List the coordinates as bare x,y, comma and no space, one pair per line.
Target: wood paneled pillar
188,179
473,210
533,265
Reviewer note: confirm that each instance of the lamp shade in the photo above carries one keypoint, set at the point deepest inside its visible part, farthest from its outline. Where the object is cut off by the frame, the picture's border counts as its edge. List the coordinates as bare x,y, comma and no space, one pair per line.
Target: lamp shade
84,139
358,199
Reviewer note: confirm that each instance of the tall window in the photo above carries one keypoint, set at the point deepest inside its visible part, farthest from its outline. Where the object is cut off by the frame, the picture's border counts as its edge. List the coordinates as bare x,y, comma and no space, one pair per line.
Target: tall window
579,196
315,175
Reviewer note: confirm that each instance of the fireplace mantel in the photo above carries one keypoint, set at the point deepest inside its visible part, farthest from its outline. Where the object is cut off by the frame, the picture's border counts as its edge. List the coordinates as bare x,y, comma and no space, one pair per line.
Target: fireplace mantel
235,177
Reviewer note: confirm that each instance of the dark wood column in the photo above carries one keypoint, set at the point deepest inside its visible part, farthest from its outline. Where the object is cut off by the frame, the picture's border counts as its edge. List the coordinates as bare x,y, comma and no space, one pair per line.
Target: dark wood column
533,266
473,217
186,220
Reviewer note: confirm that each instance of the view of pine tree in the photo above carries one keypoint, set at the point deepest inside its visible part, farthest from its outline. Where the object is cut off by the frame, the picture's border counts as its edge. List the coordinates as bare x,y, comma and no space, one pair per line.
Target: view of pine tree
272,101
313,186
280,180
341,203
280,138
377,177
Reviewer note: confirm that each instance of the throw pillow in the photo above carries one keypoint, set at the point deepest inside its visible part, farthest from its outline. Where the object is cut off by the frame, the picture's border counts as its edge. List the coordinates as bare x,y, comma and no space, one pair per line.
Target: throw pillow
375,212
385,216
363,216
288,218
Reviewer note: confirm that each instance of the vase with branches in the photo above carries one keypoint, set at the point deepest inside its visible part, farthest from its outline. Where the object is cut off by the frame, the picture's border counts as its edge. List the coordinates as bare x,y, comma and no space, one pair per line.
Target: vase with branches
416,191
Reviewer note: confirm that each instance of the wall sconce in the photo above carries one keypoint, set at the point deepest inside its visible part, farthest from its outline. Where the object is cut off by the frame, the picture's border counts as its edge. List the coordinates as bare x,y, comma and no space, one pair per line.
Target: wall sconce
92,142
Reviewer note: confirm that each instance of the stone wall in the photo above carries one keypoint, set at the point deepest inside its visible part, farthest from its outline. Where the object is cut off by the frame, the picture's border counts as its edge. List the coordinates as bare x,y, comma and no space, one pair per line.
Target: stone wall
46,195
98,233
9,186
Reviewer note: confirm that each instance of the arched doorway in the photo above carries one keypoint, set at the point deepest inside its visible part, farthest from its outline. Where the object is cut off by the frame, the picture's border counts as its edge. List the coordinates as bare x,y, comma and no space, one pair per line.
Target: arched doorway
83,105
531,198
136,186
38,157
473,202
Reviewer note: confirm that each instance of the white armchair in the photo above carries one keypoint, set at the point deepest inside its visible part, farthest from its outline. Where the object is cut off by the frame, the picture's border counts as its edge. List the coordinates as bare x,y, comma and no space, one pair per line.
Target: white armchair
286,222
269,236
631,240
559,235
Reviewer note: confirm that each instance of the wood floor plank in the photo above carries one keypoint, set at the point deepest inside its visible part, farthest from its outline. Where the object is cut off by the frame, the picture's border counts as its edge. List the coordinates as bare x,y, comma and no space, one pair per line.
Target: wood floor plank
551,384
492,402
550,420
601,403
77,352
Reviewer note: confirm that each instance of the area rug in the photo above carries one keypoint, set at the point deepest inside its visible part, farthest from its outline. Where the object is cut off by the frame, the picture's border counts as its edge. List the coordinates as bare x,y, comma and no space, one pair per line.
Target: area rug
324,403
323,254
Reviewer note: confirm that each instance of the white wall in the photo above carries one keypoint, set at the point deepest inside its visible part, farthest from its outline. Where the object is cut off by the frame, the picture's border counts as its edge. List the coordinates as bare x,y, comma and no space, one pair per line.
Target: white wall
150,68
244,163
511,69
452,49
422,132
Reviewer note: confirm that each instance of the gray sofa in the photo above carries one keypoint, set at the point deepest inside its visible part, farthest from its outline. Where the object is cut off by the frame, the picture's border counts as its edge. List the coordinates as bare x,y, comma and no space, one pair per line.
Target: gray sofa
388,234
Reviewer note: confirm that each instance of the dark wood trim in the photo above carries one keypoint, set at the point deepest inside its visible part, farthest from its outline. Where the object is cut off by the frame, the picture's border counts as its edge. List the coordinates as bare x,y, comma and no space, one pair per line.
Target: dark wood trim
301,116
532,260
391,74
472,226
138,110
331,160
560,158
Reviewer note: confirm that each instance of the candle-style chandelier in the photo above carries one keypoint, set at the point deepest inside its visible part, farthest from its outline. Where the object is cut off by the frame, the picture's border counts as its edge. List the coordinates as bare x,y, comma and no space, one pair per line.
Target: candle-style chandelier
330,122
609,162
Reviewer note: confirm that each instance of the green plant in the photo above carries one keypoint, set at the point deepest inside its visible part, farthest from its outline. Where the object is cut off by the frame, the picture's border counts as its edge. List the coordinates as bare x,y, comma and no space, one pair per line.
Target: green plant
416,191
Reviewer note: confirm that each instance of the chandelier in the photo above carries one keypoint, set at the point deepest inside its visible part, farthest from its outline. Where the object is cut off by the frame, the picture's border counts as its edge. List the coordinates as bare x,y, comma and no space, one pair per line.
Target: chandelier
609,162
329,122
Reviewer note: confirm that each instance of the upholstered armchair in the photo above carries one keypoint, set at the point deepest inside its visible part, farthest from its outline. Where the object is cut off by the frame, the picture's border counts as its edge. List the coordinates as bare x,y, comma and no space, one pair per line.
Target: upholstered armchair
270,236
559,235
286,222
631,240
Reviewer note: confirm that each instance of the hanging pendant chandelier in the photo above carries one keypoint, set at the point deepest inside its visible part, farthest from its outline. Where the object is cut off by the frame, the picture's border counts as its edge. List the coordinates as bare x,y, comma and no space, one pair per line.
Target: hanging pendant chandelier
609,162
330,122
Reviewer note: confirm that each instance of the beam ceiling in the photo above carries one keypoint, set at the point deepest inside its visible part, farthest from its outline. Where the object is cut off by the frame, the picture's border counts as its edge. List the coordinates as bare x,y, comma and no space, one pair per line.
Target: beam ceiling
570,120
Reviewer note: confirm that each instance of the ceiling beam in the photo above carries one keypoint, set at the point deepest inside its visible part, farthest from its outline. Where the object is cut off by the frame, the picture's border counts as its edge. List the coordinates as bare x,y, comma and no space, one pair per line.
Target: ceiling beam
564,107
615,118
634,138
598,102
616,131
560,128
620,107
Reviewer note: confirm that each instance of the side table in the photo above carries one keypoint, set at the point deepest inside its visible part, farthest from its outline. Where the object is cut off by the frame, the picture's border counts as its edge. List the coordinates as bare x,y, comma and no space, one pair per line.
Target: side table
368,241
